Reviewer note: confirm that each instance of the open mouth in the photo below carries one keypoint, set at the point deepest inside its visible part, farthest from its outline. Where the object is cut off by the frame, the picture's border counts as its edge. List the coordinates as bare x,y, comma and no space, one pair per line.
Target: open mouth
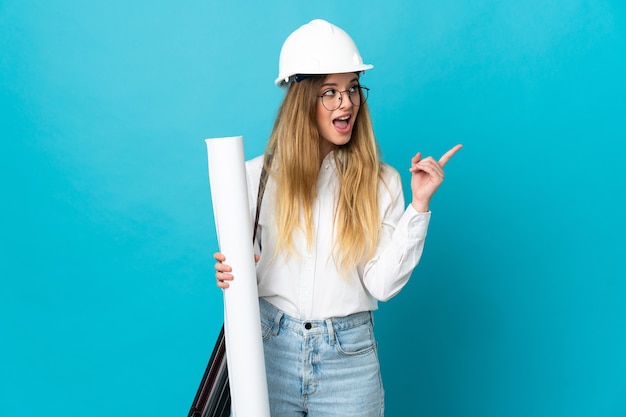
342,123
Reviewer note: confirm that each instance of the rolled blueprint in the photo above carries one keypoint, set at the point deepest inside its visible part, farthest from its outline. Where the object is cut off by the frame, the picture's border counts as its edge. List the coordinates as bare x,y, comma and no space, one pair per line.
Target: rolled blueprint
244,344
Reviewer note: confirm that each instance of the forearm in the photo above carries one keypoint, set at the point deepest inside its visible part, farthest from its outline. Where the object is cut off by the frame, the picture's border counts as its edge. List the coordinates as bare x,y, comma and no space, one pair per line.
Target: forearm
398,254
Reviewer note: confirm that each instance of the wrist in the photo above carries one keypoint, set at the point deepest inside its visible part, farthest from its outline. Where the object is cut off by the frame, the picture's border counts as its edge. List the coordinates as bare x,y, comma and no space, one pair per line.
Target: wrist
420,207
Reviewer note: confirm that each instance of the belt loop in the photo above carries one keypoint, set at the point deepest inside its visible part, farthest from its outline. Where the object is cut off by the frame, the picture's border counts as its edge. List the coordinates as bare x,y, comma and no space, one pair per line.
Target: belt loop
331,332
277,318
372,317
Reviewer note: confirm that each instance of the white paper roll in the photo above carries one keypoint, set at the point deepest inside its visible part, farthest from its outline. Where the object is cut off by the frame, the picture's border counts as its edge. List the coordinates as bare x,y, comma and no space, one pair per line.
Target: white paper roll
244,344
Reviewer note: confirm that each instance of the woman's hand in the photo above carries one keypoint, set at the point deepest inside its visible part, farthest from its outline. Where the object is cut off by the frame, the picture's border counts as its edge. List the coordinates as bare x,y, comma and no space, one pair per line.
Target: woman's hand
427,177
223,271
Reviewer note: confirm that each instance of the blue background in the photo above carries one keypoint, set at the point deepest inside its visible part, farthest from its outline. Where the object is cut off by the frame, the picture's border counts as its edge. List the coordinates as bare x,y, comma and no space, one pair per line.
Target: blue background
108,305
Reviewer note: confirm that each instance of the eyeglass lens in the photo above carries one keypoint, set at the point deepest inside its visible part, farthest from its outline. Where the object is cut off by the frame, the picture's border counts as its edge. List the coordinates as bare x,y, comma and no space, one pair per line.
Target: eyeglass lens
332,100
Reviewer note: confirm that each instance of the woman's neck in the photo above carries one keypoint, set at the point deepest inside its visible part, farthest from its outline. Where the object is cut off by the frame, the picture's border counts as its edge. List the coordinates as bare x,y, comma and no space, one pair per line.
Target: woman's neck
325,148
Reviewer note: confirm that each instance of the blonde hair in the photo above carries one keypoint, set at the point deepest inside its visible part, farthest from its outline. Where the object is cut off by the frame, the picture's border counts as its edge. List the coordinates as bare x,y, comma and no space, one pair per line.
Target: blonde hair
293,159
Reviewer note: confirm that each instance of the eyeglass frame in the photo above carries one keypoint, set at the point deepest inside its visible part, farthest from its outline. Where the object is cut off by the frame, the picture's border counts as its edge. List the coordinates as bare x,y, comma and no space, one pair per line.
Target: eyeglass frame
361,101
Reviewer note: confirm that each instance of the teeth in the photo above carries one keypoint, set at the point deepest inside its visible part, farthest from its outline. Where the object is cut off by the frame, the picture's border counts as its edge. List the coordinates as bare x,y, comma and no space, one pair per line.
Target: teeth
344,118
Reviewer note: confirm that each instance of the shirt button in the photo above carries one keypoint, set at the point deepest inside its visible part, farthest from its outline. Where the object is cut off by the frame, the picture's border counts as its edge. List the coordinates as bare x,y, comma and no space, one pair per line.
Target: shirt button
307,326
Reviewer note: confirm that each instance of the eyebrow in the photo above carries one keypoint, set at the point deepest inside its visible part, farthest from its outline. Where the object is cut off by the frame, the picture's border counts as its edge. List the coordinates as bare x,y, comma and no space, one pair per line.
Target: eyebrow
335,84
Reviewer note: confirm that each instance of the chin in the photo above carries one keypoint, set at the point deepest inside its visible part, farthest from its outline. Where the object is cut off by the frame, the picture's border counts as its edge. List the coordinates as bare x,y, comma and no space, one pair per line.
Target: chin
342,141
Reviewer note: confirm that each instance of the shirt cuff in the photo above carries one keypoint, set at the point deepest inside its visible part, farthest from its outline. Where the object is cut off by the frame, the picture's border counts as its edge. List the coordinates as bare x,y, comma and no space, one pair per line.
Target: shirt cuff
415,223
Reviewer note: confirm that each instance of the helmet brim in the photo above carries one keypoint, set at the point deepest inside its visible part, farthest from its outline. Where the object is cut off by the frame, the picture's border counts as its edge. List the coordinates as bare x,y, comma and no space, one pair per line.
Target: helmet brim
288,78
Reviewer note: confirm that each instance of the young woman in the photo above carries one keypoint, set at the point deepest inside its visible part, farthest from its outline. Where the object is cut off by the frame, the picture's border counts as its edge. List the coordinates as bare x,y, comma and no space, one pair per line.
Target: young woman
333,235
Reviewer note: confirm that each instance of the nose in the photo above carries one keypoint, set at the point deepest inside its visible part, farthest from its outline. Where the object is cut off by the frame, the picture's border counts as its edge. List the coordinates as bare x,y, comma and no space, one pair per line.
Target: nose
344,100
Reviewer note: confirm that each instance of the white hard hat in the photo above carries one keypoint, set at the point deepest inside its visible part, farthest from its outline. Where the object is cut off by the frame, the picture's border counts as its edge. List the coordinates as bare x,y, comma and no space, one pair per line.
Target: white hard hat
318,48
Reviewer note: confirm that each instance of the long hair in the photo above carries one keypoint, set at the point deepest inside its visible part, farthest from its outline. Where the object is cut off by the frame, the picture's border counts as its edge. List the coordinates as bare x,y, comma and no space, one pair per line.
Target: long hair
293,159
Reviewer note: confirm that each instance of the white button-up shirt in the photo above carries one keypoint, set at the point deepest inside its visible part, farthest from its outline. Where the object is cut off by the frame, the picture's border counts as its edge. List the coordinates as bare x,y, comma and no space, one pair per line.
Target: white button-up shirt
310,286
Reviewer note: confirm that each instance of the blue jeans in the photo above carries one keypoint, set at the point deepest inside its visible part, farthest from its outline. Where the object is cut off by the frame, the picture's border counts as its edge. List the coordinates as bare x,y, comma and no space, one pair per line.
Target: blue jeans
321,368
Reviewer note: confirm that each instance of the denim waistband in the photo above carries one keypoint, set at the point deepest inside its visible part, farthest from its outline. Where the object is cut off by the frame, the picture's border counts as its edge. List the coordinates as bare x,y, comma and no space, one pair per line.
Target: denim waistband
331,325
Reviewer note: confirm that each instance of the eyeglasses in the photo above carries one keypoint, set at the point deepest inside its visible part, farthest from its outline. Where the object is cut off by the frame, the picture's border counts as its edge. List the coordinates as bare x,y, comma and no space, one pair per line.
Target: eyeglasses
332,99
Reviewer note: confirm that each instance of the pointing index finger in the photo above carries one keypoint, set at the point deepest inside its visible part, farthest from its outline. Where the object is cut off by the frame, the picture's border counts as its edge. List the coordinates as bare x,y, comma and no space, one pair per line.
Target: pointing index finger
446,156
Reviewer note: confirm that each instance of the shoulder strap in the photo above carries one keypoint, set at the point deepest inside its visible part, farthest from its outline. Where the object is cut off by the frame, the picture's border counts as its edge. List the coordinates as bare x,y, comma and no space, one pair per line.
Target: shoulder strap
259,199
